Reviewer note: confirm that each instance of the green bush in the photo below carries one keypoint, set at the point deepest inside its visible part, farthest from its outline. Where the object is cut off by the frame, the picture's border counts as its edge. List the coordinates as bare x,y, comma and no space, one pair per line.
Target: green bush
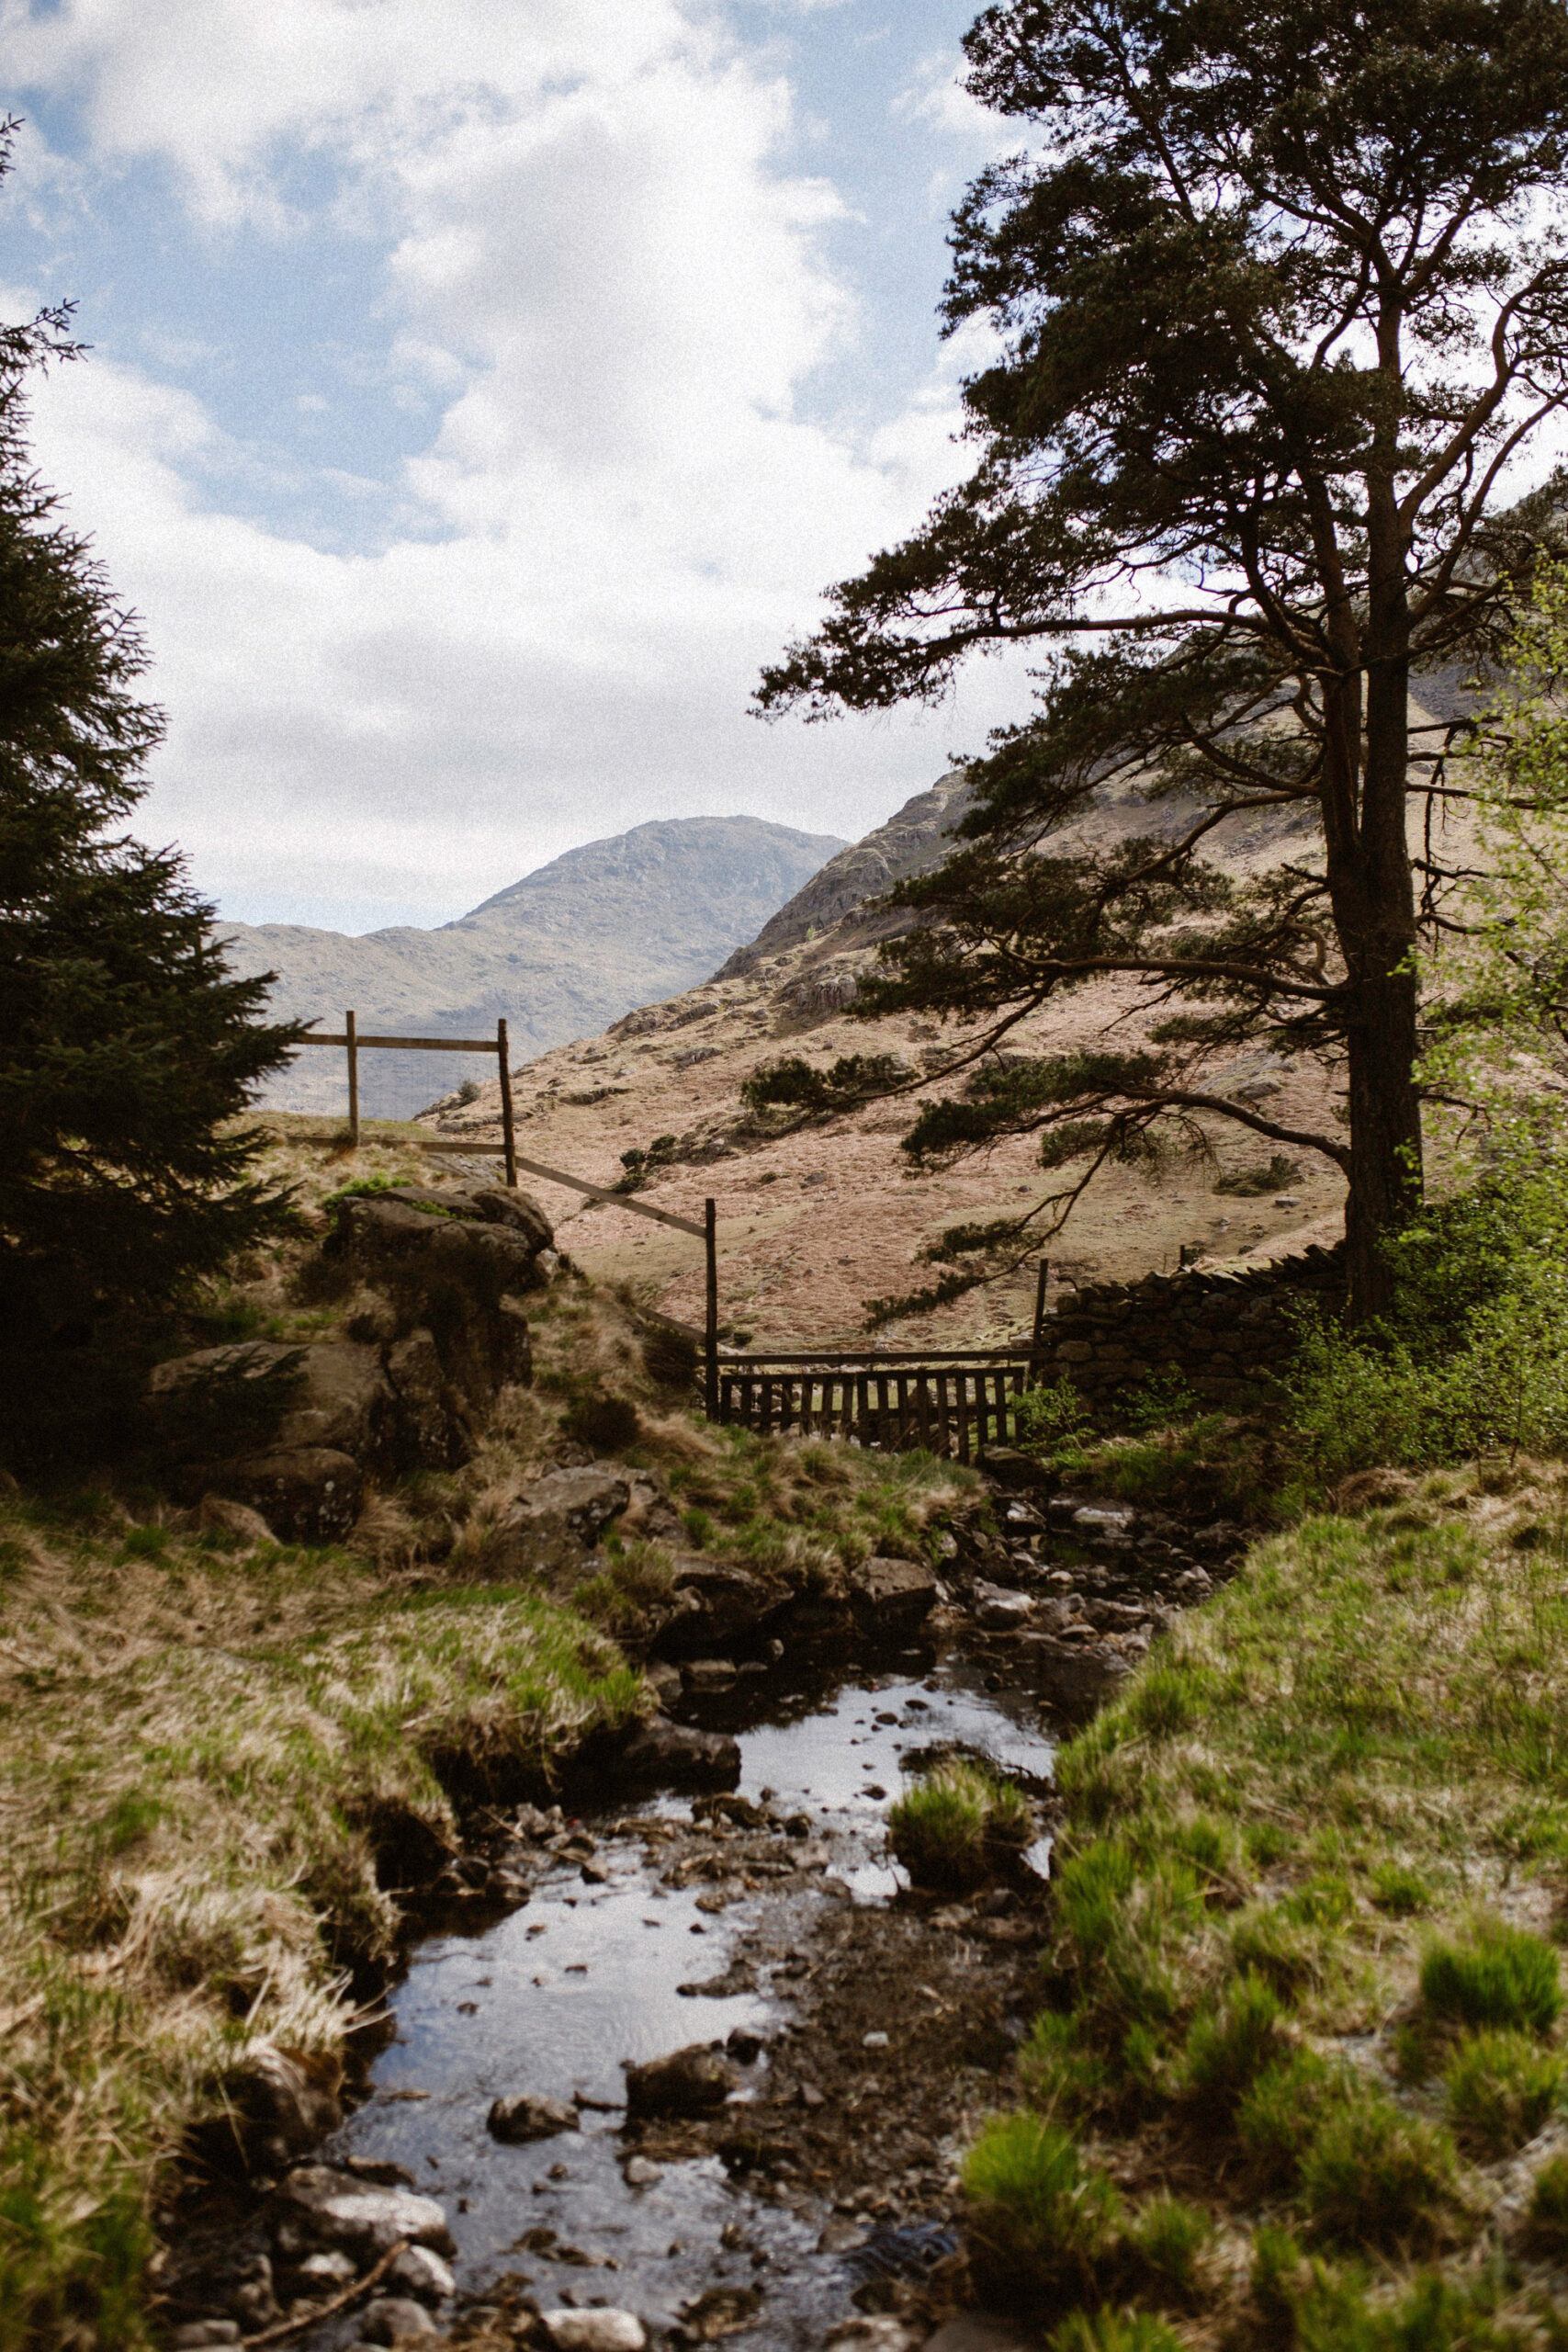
1505,1977
1229,2044
1037,2218
1376,2176
1502,2087
1250,1183
958,1826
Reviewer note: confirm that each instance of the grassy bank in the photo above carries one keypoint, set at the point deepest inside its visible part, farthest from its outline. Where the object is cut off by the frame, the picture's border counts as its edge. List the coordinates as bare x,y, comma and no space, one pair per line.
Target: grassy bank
1302,1998
203,1751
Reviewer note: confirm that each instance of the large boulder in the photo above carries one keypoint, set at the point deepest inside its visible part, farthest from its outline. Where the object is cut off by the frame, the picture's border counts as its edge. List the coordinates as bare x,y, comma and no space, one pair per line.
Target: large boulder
308,1495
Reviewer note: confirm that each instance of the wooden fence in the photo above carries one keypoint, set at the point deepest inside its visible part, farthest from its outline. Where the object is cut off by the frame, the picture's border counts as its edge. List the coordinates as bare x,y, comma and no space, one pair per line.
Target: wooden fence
954,1402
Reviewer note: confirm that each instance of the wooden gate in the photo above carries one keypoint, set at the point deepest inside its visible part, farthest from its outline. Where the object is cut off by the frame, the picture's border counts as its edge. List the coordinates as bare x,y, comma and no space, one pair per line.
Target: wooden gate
954,1402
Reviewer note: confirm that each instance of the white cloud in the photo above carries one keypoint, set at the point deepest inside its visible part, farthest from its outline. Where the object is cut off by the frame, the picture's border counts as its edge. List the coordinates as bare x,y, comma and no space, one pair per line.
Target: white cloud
594,262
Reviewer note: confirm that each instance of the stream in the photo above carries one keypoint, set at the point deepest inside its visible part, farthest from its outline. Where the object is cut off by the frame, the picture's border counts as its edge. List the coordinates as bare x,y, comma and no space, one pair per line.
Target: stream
554,1998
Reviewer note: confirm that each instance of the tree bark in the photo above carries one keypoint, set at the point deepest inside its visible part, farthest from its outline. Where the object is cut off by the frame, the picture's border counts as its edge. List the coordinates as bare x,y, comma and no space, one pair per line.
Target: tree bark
1385,1135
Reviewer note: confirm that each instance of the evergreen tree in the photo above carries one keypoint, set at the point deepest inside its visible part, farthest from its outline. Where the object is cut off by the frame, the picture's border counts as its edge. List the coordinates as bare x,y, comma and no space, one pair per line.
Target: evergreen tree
126,1047
1281,296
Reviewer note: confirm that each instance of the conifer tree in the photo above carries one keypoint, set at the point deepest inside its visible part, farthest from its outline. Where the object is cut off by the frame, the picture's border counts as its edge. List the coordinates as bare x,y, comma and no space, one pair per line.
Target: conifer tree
1281,295
126,1047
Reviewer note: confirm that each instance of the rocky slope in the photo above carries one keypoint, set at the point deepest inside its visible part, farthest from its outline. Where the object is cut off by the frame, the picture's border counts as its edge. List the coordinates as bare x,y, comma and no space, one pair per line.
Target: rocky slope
558,954
815,1220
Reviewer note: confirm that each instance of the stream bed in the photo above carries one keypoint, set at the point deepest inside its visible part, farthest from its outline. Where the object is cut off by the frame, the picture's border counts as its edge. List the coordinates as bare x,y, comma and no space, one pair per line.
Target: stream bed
556,1997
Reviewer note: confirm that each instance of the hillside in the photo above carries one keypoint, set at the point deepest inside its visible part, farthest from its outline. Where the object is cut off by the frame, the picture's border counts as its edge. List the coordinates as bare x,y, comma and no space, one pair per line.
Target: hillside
815,1220
558,954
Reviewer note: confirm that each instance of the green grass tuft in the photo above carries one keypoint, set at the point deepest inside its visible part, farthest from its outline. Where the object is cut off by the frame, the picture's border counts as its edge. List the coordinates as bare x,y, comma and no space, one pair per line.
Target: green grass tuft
1546,2222
958,1826
1378,2177
1039,2219
1502,2087
1230,2043
1504,1977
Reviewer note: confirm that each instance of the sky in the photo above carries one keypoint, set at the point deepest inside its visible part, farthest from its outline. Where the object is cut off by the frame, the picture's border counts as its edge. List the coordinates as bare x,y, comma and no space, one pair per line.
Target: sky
481,391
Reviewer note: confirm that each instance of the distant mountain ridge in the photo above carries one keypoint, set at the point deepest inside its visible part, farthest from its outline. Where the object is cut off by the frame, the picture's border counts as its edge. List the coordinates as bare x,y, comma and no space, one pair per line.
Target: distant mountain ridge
559,954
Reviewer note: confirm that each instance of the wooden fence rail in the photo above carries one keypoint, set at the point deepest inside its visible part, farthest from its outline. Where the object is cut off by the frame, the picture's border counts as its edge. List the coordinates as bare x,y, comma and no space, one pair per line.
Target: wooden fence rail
954,1403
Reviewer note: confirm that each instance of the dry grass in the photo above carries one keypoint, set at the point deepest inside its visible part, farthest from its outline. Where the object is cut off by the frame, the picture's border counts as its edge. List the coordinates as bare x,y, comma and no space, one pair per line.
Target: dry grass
202,1749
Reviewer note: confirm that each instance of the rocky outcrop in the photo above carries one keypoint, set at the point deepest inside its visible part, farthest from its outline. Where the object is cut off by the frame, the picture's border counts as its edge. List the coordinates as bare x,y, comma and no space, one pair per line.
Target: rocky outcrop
294,1432
556,1519
915,838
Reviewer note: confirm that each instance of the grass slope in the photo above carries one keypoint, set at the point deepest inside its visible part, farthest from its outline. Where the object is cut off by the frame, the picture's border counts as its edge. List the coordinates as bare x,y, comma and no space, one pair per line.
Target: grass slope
203,1750
1303,1996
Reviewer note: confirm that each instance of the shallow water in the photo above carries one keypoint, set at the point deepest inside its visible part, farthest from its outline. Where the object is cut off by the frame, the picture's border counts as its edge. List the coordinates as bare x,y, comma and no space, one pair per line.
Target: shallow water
554,1998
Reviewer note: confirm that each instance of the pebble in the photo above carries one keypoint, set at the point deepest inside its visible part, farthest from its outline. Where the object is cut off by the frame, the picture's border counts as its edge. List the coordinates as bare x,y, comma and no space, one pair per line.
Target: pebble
639,2173
876,2041
392,2319
594,2330
420,2272
329,2272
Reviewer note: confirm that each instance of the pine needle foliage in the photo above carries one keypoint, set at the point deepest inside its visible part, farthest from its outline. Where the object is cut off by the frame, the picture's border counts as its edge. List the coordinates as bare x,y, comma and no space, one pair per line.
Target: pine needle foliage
127,1048
1278,293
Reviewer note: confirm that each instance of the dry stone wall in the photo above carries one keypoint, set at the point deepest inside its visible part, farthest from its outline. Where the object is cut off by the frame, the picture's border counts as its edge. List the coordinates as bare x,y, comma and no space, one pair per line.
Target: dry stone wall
1227,1334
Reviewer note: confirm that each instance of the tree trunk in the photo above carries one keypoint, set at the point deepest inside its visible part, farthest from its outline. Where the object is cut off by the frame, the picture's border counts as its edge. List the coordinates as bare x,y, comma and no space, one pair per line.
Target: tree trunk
1386,1135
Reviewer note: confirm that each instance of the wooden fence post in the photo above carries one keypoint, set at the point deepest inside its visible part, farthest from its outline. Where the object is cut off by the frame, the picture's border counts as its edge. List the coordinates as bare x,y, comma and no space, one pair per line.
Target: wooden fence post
710,1235
352,1041
508,1125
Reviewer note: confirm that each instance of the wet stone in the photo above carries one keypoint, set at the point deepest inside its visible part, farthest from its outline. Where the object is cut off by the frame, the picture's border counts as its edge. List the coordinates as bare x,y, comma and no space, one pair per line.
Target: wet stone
692,2081
394,2319
594,2330
527,2117
419,2272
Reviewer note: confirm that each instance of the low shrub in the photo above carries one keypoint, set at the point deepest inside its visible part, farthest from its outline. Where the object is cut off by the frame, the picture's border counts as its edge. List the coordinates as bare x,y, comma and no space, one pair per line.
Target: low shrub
1378,2177
1504,1977
609,1424
958,1826
1038,2220
1502,2087
1249,1183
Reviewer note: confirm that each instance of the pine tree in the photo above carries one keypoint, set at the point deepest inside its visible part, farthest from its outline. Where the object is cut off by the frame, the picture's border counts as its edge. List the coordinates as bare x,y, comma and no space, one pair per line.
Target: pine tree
1281,296
127,1048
